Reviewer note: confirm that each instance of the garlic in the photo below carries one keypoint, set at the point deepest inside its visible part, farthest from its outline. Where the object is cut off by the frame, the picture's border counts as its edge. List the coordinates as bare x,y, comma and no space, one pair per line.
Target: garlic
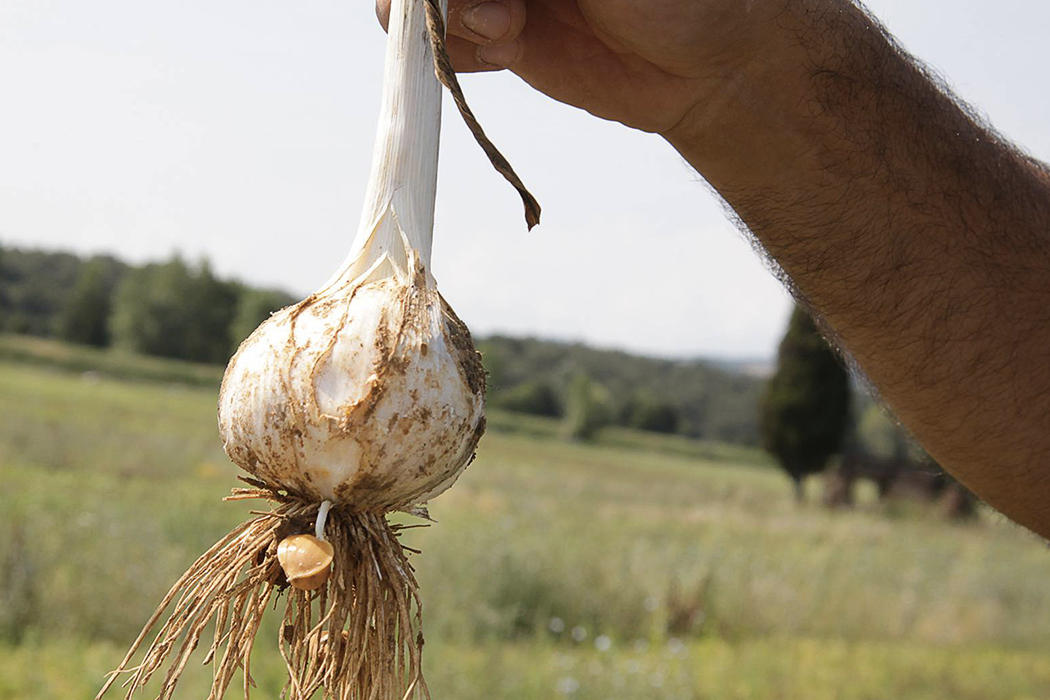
367,396
306,561
369,392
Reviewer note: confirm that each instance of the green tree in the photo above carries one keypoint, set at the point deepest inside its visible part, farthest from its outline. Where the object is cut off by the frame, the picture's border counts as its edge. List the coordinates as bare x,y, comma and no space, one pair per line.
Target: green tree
535,397
148,309
172,310
805,409
210,305
586,408
85,316
35,286
253,307
643,411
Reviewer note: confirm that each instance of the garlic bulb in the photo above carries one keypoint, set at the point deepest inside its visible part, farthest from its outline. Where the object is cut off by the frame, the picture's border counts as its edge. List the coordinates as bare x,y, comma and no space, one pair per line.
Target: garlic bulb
368,393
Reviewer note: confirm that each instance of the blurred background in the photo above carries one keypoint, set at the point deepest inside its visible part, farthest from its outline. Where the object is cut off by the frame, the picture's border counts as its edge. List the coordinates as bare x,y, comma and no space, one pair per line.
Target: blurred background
682,493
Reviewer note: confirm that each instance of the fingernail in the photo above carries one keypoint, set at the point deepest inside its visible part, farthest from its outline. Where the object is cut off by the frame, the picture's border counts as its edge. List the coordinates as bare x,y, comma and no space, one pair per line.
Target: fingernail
489,19
500,56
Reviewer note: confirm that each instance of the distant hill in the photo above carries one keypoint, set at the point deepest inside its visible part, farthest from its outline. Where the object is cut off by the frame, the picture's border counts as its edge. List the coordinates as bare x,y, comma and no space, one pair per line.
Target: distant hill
758,367
707,401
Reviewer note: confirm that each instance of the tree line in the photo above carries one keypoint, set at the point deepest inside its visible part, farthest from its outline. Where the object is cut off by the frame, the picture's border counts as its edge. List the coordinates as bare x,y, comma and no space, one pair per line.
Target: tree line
170,309
590,388
183,310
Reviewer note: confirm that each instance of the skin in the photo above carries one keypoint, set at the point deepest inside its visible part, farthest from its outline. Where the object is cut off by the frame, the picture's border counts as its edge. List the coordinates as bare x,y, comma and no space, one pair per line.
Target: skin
918,235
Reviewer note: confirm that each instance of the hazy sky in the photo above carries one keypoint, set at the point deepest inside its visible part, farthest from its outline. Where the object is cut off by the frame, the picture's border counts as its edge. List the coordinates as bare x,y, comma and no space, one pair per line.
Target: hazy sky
241,130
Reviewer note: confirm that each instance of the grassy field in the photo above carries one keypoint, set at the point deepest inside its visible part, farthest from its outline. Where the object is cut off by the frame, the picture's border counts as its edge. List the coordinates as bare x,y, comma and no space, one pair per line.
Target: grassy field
637,567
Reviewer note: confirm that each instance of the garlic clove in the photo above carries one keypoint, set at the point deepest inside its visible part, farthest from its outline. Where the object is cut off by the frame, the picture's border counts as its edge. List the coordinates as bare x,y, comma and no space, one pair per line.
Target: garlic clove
306,561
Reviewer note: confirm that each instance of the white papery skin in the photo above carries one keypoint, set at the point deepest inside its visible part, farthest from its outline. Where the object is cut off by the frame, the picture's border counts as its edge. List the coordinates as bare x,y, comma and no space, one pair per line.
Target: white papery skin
368,393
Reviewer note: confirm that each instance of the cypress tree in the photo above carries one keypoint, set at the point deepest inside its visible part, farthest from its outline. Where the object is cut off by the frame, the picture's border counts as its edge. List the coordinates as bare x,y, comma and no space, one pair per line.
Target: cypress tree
85,316
805,407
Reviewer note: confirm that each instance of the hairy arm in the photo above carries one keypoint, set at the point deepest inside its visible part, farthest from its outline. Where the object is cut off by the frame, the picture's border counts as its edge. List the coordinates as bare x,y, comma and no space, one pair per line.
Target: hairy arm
919,235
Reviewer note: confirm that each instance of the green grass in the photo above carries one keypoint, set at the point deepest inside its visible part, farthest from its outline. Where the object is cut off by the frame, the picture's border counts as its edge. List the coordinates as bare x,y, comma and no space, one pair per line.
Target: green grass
108,363
638,567
759,669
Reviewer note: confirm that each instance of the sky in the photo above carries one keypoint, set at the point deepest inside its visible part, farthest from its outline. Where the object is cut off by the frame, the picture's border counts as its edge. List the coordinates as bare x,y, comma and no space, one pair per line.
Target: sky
241,131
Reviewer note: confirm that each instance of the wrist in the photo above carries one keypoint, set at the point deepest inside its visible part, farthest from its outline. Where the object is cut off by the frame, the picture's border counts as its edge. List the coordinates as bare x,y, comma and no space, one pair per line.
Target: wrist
759,123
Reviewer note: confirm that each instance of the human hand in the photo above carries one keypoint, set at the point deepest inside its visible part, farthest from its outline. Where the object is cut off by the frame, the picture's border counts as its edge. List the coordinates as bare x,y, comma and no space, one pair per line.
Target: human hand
646,63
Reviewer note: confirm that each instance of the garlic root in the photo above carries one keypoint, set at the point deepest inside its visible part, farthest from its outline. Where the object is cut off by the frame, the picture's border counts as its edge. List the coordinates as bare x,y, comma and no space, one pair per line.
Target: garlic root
358,646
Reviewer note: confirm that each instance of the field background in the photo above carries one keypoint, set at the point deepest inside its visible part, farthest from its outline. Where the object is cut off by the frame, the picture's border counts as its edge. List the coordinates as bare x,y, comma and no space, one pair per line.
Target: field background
641,566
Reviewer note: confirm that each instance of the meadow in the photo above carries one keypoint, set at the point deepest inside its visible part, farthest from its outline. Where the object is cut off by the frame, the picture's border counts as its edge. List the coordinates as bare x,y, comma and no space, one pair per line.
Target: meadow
639,566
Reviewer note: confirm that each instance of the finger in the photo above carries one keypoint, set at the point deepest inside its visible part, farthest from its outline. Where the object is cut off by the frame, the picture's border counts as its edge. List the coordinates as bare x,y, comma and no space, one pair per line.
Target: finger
486,21
468,57
480,21
383,13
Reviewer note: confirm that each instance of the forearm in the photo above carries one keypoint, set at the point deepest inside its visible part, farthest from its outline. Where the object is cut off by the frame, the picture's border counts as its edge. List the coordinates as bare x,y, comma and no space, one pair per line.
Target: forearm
920,237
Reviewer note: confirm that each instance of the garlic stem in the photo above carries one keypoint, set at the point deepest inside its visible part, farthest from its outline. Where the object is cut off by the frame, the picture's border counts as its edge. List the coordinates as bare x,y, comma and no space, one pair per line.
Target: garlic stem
403,183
